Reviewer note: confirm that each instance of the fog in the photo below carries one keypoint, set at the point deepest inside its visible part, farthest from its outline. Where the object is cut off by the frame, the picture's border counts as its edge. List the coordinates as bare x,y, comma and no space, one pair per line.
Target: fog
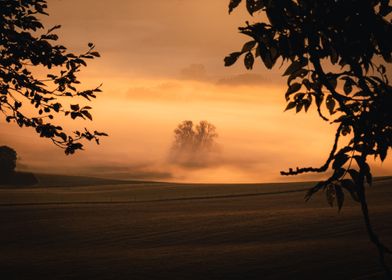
159,68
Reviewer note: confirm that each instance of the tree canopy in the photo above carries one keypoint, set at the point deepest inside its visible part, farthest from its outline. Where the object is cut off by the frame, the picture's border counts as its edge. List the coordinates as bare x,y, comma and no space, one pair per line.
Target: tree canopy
194,137
193,144
336,52
33,100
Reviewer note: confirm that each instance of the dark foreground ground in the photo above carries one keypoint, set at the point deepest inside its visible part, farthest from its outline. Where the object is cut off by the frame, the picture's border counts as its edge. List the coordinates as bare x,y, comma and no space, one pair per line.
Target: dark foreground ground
166,231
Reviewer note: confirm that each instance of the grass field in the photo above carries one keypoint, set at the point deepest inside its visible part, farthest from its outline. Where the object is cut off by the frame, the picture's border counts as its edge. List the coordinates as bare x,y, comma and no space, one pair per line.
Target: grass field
85,228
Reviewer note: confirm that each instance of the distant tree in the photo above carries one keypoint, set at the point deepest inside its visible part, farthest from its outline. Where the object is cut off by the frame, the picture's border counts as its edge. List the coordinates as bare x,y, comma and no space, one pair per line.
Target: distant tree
205,135
193,143
7,160
184,136
336,50
197,138
28,97
8,175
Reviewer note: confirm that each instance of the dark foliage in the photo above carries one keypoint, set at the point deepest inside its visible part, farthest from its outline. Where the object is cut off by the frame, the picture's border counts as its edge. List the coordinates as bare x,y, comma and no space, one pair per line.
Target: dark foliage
25,50
336,50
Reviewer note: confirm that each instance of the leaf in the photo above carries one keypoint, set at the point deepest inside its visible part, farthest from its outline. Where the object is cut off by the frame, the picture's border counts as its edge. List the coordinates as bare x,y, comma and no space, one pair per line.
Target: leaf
100,133
294,67
338,173
231,58
383,150
339,196
96,54
249,61
248,46
274,53
257,51
362,93
313,190
340,160
54,28
355,176
291,105
299,107
333,82
348,86
254,5
53,37
292,89
346,130
307,103
330,103
75,107
385,9
268,55
334,56
81,61
330,194
364,167
350,187
300,73
63,136
87,114
74,115
233,4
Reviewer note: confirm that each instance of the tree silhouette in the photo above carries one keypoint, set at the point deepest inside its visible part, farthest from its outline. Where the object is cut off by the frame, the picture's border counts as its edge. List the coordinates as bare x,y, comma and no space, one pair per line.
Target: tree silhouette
29,99
8,175
7,161
184,136
336,51
193,143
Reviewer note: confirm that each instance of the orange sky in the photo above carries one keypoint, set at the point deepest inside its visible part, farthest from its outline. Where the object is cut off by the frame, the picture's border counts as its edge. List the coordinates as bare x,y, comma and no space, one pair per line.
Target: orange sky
162,63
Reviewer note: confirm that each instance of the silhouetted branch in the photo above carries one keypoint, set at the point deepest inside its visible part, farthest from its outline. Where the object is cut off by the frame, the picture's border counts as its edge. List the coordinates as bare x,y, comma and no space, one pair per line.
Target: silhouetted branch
323,168
382,249
312,32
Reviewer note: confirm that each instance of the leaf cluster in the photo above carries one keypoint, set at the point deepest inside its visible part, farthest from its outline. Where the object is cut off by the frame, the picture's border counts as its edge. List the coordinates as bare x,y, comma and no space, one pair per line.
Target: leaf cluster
332,50
25,46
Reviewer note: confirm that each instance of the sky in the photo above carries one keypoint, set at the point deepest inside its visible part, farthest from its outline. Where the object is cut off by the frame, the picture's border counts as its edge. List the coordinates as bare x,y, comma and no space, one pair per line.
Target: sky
162,63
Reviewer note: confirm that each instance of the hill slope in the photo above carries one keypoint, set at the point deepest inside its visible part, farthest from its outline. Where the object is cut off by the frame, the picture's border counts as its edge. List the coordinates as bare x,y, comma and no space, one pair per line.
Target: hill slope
176,231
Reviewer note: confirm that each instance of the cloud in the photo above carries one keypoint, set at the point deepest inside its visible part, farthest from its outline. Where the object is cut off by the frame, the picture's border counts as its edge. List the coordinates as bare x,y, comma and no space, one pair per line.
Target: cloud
247,79
194,72
189,159
166,90
140,171
198,72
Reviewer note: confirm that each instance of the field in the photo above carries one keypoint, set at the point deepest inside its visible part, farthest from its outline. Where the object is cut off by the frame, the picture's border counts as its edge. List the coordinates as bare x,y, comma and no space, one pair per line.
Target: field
84,228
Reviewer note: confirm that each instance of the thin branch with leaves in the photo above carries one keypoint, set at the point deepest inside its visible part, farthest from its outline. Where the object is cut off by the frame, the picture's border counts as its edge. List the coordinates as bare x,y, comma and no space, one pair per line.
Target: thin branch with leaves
332,48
